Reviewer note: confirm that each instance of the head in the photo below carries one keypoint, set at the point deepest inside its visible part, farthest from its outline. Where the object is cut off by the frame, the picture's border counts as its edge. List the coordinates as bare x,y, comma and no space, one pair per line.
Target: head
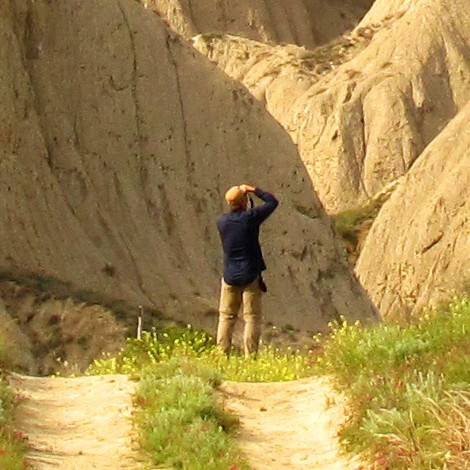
236,198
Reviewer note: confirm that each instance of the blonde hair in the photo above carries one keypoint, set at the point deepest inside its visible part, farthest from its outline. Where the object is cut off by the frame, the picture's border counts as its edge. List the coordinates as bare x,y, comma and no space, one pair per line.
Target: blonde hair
235,197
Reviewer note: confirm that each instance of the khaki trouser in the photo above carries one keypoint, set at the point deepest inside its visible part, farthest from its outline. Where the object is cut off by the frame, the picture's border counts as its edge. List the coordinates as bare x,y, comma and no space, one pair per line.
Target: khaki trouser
231,298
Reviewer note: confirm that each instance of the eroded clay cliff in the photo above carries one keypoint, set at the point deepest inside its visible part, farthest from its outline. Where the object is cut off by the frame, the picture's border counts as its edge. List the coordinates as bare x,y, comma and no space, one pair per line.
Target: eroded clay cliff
418,250
364,107
117,143
303,22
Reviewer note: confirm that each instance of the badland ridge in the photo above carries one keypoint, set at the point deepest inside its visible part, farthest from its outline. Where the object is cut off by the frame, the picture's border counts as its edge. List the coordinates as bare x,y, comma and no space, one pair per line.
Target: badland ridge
118,138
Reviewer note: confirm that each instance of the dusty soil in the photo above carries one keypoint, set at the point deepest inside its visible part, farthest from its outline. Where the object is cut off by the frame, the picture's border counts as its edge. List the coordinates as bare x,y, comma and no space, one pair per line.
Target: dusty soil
291,425
84,423
77,423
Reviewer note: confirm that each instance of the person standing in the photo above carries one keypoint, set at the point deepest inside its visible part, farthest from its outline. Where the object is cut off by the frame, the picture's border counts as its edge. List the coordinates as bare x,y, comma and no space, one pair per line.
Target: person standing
242,283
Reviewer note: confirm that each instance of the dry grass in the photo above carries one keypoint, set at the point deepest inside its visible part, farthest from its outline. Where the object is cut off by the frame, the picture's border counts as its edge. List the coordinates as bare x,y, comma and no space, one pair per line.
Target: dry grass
409,388
453,414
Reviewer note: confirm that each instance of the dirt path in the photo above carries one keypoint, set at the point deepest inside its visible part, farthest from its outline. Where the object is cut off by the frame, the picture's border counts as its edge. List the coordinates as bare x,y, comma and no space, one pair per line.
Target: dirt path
84,423
289,425
77,423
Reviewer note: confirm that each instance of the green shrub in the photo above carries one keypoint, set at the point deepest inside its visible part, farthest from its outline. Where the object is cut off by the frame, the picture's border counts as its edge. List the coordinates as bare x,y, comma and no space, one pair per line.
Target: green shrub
12,445
181,423
408,386
153,348
352,225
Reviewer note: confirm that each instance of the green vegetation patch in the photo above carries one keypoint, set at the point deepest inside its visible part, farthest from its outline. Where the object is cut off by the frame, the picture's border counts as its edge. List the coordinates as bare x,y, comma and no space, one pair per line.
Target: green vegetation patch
182,424
352,226
409,389
12,442
141,355
181,419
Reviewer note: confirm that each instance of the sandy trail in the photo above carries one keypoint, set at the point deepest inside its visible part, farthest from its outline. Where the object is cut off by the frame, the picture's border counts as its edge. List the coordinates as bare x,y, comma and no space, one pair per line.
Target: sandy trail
289,425
77,423
85,423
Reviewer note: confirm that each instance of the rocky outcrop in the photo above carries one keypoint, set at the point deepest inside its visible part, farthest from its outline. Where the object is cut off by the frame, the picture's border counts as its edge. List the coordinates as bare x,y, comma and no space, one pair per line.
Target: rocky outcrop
418,250
15,347
363,108
303,22
382,9
117,143
43,335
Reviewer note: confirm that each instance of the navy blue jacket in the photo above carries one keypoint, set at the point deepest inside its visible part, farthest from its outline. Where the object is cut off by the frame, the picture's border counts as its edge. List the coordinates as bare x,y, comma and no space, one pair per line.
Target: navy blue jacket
239,232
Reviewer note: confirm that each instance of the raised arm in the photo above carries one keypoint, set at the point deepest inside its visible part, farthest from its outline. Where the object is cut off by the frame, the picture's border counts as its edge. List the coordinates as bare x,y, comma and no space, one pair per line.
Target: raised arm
262,212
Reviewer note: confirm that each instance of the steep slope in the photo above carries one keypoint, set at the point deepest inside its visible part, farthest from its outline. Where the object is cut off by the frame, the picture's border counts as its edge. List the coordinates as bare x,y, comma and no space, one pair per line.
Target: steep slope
363,108
425,256
118,142
381,9
303,22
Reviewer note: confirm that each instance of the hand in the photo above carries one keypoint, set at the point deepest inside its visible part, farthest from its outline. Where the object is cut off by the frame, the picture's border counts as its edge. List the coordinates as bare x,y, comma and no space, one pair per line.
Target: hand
246,188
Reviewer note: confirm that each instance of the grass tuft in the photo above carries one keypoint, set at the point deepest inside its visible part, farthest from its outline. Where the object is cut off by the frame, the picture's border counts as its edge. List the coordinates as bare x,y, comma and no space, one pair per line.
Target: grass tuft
139,355
12,442
352,225
409,388
182,425
181,421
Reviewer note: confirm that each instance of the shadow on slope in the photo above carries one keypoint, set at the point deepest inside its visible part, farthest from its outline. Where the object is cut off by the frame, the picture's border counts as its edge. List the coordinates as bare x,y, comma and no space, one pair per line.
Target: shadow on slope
303,22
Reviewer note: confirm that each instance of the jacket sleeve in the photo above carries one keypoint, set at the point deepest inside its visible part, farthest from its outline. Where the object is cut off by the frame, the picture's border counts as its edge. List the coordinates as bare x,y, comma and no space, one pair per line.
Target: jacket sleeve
262,212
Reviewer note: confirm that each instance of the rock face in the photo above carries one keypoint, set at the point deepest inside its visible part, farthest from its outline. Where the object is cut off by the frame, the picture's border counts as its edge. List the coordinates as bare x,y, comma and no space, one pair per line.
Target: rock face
16,347
363,108
44,335
418,250
303,22
117,143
